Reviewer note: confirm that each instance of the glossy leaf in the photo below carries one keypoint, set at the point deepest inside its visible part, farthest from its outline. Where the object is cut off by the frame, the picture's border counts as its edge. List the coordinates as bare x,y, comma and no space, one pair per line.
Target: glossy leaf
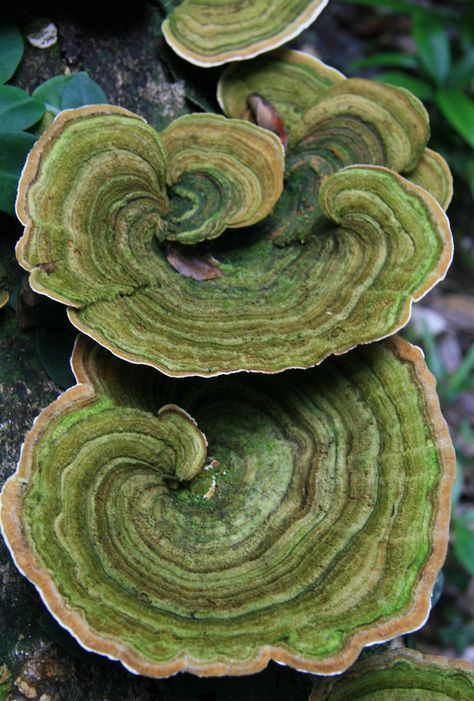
11,50
14,148
51,92
18,111
433,46
458,109
82,90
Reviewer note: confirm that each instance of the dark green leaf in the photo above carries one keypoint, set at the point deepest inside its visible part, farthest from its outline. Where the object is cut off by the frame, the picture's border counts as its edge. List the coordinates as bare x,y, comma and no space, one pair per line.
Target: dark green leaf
462,72
391,58
402,6
464,540
466,27
14,148
11,50
82,90
18,110
433,46
54,345
458,109
51,92
418,87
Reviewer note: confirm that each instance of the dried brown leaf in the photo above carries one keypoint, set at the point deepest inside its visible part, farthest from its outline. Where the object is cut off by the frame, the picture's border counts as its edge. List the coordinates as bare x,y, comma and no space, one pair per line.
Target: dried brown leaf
192,264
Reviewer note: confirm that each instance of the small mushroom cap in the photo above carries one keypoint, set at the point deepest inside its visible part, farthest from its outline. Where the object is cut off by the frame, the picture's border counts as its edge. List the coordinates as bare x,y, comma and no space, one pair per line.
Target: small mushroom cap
400,674
229,170
209,33
322,528
291,81
4,297
398,119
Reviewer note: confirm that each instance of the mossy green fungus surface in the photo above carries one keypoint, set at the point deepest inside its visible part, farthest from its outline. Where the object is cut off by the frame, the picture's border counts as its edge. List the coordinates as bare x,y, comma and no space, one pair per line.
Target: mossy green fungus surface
316,524
102,194
333,121
404,675
292,81
212,32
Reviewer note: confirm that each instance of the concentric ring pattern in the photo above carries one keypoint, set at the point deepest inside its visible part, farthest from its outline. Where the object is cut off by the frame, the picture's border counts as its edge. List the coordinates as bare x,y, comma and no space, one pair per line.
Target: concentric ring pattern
213,32
323,530
95,197
401,674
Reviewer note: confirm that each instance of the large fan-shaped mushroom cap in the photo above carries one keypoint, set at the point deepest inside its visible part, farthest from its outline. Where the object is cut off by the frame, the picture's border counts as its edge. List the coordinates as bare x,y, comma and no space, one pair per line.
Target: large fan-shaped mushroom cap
316,525
103,195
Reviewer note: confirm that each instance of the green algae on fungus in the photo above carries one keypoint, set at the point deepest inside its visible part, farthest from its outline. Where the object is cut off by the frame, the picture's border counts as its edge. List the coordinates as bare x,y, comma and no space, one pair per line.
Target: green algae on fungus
316,524
102,194
213,32
401,674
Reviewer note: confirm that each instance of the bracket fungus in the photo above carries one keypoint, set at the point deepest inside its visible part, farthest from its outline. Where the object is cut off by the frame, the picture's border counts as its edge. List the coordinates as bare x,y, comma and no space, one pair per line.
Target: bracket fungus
401,674
318,526
210,33
330,118
102,193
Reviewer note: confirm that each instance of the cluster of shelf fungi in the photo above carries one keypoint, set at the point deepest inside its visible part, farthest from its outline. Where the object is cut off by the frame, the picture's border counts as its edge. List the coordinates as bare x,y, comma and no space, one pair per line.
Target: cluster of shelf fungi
245,470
